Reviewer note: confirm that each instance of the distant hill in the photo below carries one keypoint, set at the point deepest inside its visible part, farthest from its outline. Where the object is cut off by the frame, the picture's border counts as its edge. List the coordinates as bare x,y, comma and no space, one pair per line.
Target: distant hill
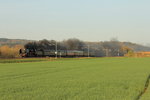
12,42
136,47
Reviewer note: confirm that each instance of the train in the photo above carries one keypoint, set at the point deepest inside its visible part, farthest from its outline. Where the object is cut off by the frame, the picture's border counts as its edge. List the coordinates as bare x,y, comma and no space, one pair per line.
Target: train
54,53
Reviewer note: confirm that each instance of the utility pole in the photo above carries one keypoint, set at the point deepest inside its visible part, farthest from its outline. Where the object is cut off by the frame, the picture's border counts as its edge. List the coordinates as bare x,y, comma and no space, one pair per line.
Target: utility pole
106,52
88,51
60,54
87,47
118,52
56,47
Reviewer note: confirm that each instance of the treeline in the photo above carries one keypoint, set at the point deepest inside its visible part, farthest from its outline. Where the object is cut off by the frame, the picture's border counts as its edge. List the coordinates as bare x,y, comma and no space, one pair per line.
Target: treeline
99,49
10,51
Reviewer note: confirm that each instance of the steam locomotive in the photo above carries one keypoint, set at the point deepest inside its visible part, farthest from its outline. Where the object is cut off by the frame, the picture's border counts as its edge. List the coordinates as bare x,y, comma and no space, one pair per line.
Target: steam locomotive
54,53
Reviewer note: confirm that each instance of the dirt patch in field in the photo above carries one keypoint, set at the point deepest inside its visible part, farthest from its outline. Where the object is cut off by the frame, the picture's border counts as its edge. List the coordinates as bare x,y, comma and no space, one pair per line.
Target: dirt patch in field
145,88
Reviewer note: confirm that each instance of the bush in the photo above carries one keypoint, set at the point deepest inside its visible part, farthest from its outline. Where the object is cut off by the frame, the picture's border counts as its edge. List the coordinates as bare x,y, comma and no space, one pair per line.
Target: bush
10,52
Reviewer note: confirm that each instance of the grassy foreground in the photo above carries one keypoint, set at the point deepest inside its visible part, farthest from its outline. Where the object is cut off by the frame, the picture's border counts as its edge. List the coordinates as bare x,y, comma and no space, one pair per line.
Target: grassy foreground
82,79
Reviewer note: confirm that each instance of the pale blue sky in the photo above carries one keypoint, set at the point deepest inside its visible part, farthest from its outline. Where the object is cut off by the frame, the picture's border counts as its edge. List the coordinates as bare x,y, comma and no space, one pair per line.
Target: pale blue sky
89,20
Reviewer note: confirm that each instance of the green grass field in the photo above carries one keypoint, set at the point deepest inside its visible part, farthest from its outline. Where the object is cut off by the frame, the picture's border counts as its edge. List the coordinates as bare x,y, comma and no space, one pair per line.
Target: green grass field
75,79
